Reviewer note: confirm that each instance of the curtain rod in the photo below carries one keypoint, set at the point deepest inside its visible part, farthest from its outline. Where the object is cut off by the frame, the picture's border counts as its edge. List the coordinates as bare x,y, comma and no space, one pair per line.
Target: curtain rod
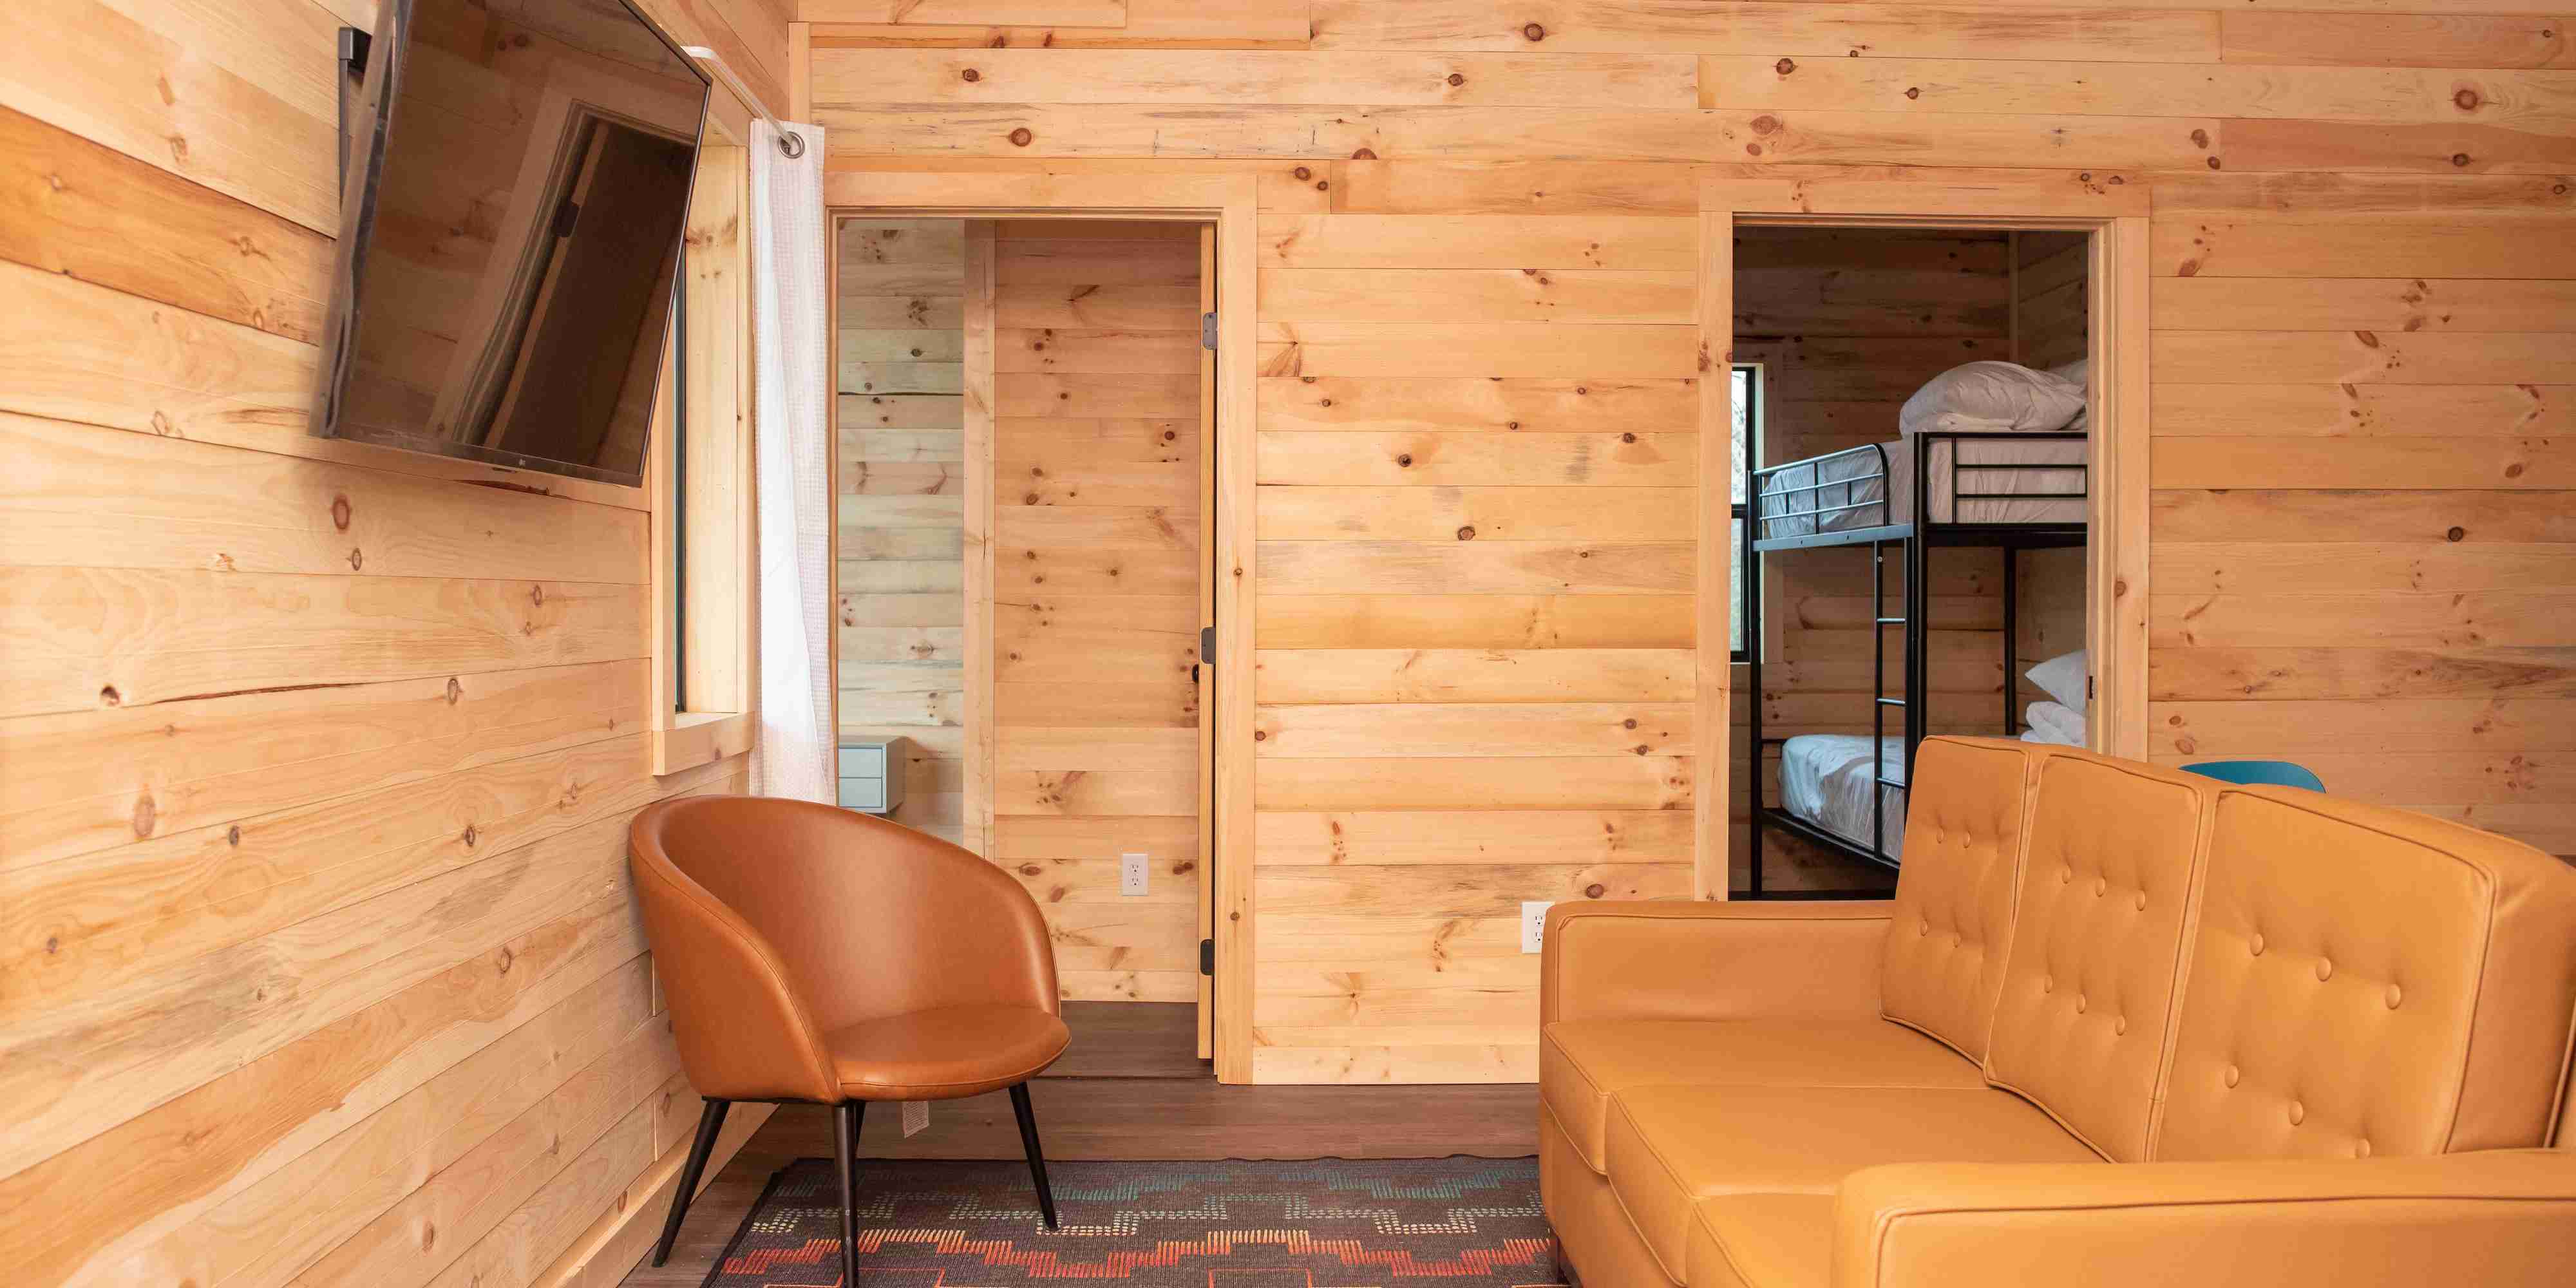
789,142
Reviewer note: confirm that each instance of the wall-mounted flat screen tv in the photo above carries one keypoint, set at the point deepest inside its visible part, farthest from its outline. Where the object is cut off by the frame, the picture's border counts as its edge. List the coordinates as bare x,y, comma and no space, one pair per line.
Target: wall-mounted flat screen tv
514,196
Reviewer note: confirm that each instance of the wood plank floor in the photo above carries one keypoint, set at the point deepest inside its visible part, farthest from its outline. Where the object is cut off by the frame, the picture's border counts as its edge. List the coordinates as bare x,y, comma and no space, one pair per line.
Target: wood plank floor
1131,1087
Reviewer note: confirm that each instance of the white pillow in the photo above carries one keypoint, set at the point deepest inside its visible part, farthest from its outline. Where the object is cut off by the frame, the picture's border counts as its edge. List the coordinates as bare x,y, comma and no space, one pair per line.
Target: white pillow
2056,720
2046,739
1992,397
2080,372
2062,678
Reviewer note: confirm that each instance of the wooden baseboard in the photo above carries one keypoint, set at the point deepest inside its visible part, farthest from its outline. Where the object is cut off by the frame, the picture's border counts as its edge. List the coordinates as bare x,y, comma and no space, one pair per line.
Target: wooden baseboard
621,1238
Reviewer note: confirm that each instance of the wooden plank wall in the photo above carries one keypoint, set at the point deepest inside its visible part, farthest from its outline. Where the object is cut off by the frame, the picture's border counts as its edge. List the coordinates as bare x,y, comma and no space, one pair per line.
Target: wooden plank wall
1478,231
2052,320
1098,557
2052,298
901,607
1848,323
317,960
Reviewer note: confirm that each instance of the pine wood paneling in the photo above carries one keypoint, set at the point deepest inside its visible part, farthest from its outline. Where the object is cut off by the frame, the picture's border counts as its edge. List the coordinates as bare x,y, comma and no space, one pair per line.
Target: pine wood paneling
319,756
900,561
1098,556
1469,275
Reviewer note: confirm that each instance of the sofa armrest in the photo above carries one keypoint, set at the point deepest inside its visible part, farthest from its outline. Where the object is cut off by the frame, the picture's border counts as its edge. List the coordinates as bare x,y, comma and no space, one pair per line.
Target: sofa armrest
2495,1217
1710,960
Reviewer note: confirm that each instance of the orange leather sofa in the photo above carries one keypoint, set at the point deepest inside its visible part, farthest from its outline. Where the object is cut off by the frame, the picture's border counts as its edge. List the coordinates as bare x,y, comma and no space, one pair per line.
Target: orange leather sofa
2117,1026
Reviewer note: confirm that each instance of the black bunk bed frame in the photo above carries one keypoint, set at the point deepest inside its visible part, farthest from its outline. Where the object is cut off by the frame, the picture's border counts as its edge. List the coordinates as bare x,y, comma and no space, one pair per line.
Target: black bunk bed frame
1913,542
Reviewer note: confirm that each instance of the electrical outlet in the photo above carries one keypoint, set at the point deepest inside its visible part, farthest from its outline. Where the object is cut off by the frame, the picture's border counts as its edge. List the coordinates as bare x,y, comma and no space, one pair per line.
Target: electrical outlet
1131,874
916,1115
1534,924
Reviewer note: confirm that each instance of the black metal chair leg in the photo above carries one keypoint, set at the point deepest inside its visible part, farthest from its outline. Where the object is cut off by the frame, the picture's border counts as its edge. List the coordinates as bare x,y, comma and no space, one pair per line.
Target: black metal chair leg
1037,1158
845,1145
710,1121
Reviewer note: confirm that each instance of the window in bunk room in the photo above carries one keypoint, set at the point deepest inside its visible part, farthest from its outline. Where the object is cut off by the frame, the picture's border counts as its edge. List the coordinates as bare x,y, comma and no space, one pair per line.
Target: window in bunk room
1865,351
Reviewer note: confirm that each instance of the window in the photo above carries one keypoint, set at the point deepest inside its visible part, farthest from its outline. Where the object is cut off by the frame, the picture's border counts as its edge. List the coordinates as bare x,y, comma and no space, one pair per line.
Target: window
1747,436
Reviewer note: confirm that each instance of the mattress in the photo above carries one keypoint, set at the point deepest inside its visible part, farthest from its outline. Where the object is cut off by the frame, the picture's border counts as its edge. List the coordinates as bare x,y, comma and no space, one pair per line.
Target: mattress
1849,486
1826,779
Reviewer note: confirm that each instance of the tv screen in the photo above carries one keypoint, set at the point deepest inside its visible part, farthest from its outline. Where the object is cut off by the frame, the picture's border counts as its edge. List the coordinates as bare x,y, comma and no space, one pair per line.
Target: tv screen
514,196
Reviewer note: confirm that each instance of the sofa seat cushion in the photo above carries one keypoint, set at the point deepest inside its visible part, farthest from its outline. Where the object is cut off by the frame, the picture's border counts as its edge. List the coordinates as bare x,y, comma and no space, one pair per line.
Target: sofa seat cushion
1761,1241
1669,1147
1583,1063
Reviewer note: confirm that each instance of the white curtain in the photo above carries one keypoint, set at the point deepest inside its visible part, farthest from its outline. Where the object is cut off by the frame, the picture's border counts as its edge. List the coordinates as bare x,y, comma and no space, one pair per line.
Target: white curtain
793,756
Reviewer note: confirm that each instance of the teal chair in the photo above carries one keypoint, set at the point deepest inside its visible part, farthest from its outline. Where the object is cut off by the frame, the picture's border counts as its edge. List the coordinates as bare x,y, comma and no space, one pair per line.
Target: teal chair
2266,773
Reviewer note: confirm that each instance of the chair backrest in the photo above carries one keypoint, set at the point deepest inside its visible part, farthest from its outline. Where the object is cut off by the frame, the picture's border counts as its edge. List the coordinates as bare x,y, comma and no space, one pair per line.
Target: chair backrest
2365,980
774,922
2115,847
1964,828
2258,773
2194,969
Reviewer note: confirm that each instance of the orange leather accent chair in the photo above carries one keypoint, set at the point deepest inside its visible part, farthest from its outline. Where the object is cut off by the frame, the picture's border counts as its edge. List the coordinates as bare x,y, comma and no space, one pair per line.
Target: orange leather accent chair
2118,1026
812,955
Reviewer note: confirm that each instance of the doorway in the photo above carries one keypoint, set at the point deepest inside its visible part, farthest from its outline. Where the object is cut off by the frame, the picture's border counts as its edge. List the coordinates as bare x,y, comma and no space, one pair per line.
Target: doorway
1913,406
1026,474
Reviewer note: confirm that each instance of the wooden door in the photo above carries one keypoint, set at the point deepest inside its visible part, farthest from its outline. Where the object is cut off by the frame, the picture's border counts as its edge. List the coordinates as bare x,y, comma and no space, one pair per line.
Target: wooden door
1099,589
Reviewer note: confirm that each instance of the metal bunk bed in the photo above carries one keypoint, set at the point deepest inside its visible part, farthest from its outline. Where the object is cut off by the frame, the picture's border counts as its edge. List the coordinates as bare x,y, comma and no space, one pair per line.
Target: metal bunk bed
1822,503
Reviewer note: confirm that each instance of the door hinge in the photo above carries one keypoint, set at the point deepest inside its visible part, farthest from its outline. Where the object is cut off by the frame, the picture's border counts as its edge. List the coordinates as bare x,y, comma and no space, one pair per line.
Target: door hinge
1207,644
2088,688
1207,957
1207,331
566,215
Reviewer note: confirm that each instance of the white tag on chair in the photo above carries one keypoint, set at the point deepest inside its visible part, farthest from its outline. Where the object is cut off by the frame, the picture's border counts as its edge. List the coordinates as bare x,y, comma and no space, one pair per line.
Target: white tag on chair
916,1115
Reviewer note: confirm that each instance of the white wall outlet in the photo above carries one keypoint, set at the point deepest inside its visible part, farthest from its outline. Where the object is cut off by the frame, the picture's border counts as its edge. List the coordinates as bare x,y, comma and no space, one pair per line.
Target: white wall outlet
1534,924
1131,874
916,1115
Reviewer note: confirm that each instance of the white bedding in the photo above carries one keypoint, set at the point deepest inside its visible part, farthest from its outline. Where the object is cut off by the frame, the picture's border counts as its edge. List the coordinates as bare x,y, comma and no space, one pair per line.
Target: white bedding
1825,778
1851,479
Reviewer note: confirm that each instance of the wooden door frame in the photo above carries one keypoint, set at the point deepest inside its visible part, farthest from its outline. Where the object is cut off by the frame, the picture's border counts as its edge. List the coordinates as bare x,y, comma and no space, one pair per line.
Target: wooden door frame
1231,202
2113,208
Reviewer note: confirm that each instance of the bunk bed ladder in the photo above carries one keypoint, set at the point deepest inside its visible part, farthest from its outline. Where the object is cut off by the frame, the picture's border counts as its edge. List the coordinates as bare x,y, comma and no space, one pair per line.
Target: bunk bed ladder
1879,701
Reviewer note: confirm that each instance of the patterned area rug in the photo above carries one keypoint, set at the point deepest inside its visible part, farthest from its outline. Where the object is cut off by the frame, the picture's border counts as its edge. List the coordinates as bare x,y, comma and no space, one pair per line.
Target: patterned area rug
1463,1222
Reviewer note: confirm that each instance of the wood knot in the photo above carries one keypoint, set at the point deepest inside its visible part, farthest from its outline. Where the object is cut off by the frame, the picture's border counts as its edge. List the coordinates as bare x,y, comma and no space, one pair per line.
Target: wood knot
357,559
1404,459
970,75
1261,735
1021,137
146,816
1456,80
1629,437
455,691
1533,33
1630,723
1364,155
1913,91
340,513
2459,158
1302,174
2456,534
1466,534
109,697
2467,100
1593,891
2200,138
1785,66
232,835
2213,163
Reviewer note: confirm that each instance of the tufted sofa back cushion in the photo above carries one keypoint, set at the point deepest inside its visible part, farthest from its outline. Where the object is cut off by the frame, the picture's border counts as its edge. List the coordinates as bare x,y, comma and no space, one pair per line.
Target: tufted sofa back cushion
2365,981
1954,914
2087,997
